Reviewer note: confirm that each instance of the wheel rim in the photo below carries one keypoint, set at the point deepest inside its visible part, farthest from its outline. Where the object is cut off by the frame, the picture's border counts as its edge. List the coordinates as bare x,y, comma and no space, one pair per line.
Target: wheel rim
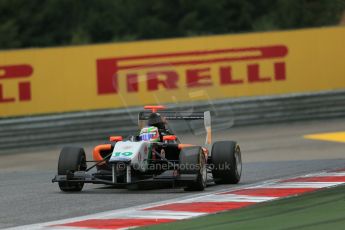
204,175
203,171
81,167
238,161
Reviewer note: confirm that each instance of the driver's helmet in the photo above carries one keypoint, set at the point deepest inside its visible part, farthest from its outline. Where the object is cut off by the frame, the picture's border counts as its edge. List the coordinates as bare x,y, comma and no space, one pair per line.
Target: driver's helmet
149,134
156,120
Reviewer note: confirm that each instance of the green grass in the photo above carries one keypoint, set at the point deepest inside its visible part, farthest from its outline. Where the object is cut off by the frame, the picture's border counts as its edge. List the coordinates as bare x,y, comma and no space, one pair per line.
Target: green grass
324,209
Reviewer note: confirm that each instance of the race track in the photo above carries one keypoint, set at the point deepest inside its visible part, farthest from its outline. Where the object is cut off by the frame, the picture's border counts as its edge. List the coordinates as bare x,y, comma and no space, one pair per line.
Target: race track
273,151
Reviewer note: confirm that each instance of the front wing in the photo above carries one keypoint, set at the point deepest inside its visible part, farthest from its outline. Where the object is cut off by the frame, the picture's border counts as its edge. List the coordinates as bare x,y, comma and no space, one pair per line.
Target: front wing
166,178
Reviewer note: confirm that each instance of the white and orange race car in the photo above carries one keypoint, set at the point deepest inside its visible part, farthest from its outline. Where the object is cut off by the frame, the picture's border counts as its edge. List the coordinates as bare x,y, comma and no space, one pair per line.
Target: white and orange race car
154,156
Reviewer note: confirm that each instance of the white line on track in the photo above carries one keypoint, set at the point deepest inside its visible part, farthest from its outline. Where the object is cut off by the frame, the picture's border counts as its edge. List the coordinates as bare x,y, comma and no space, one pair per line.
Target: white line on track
300,185
230,198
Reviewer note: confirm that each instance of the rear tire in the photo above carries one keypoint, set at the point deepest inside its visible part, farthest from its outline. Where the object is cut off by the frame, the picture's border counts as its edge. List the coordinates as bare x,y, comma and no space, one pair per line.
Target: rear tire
71,159
227,162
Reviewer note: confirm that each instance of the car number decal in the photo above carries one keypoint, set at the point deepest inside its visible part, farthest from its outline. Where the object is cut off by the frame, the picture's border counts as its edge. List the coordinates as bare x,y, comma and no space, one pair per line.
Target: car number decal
124,154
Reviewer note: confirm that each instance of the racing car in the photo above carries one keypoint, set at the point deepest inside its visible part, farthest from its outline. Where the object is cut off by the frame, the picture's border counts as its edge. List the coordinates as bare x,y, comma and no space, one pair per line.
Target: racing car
155,155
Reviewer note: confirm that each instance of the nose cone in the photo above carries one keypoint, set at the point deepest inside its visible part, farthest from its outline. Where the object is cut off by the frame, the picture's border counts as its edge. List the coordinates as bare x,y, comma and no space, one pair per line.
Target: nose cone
119,159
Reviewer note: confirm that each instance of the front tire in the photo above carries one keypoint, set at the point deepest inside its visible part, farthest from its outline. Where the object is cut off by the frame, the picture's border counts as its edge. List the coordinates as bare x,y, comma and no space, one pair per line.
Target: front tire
227,162
193,161
71,159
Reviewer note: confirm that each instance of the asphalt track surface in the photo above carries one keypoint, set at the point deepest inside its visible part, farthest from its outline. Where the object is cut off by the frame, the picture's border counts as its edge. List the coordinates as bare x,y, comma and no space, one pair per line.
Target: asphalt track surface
273,151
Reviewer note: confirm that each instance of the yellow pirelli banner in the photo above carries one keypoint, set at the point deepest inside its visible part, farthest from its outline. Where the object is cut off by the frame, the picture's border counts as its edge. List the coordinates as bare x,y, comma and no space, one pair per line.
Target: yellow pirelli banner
53,80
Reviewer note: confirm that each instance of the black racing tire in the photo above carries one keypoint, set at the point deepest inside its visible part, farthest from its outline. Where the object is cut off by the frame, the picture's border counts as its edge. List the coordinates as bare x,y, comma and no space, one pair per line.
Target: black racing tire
71,159
226,162
195,158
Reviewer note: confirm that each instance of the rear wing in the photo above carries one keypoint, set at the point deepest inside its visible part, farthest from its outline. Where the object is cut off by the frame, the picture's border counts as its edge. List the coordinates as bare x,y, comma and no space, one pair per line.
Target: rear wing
181,115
